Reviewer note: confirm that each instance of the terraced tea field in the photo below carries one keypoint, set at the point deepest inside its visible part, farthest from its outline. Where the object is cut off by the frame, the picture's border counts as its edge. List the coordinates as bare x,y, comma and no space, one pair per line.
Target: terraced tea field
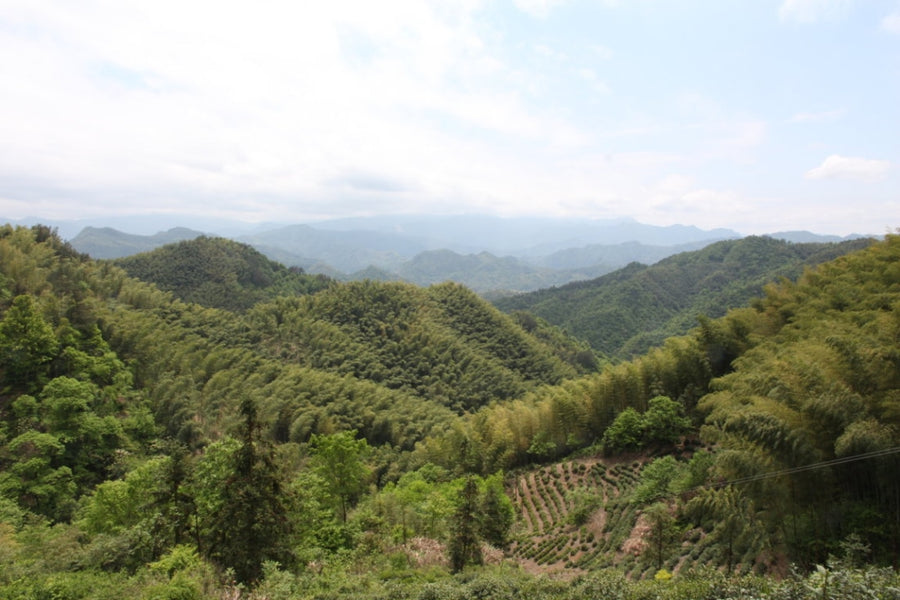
578,516
575,514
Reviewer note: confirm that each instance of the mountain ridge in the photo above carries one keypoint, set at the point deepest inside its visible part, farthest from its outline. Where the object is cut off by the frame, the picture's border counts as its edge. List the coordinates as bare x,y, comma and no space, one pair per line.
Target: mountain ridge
625,312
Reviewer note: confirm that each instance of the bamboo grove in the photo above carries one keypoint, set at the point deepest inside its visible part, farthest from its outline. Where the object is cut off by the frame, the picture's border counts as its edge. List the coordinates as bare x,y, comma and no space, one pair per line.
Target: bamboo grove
305,428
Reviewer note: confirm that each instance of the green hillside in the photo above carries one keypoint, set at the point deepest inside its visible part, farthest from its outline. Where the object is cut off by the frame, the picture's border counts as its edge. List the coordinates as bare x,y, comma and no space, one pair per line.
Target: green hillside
486,273
626,312
796,396
219,273
379,440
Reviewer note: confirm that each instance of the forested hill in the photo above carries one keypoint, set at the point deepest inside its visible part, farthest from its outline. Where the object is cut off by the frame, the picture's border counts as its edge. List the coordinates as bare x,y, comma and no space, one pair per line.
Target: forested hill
346,357
797,399
626,312
106,242
352,443
219,273
96,366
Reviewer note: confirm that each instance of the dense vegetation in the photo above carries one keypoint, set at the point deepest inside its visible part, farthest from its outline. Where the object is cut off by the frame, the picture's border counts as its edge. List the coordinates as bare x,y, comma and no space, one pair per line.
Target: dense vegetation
797,394
489,274
375,440
219,273
625,313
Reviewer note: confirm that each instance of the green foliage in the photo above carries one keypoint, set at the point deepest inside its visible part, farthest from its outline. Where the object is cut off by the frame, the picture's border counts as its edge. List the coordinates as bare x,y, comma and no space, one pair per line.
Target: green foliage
625,432
555,420
338,459
27,345
443,344
122,427
219,273
241,505
731,517
35,479
585,502
662,423
625,313
820,382
662,535
496,512
657,480
464,547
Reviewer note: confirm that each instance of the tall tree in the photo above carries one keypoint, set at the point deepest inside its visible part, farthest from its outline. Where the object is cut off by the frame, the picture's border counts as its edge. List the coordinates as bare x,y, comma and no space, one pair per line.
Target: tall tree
245,520
464,545
497,513
339,460
663,532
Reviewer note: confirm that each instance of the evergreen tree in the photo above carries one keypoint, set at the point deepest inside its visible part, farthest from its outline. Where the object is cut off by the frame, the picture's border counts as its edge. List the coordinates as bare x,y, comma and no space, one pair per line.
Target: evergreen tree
662,534
249,523
497,513
464,543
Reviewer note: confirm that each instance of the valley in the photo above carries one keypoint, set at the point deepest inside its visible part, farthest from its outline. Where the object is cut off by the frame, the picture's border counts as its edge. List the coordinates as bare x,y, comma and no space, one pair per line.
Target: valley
199,421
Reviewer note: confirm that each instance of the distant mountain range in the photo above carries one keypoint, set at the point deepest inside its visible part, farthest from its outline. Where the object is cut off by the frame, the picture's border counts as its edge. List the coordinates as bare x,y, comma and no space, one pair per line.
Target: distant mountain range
491,255
106,242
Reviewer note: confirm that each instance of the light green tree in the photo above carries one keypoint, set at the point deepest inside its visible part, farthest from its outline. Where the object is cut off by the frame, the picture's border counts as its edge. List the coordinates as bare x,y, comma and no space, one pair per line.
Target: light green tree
27,345
339,459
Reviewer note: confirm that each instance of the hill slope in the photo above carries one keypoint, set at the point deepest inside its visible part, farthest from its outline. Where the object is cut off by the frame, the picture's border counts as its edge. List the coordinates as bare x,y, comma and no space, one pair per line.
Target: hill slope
484,272
219,273
106,242
116,463
797,396
626,312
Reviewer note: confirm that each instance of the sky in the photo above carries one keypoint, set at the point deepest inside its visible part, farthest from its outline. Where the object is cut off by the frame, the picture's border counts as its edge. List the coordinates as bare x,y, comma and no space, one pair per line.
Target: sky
755,115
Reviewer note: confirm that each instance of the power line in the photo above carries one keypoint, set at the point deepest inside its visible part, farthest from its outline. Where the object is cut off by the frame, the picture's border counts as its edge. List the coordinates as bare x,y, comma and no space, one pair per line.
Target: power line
809,467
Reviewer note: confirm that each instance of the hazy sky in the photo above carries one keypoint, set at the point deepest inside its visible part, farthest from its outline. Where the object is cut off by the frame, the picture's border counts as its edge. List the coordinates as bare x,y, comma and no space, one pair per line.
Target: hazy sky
759,115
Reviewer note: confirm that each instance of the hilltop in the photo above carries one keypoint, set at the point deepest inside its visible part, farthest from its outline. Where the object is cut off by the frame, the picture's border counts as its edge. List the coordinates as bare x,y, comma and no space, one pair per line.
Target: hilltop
219,273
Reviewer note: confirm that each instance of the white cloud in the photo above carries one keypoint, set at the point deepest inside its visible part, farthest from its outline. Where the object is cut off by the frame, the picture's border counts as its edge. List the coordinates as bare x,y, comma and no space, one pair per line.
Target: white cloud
292,111
602,52
538,8
891,23
270,102
677,194
811,11
818,117
849,167
590,76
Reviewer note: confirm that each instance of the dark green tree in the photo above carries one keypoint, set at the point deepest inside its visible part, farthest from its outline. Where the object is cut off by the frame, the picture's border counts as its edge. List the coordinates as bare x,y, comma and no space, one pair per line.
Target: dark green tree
662,534
464,547
497,513
245,518
625,432
664,421
35,478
